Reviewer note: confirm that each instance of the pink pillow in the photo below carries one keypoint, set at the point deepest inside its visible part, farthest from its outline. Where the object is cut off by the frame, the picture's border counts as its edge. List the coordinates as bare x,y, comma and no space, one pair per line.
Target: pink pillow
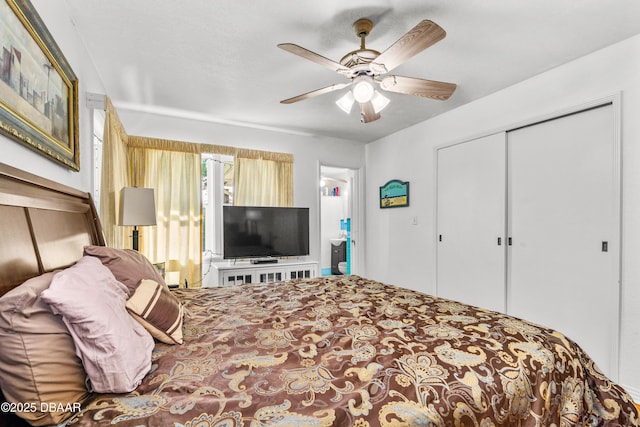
115,349
38,361
129,266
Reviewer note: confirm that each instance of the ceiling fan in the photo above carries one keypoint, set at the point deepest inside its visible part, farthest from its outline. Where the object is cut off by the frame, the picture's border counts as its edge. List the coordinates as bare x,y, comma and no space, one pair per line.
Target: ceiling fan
367,68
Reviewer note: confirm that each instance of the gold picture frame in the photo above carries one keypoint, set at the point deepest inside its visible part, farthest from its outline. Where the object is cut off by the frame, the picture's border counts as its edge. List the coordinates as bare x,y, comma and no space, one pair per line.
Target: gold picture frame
38,89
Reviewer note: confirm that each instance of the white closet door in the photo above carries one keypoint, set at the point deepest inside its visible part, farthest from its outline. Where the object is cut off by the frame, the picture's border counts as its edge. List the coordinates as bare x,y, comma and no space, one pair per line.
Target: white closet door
563,265
470,220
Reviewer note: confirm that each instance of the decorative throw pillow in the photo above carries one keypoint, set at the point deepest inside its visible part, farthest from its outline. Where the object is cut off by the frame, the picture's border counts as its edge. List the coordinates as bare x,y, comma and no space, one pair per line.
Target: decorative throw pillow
158,310
114,348
38,361
127,265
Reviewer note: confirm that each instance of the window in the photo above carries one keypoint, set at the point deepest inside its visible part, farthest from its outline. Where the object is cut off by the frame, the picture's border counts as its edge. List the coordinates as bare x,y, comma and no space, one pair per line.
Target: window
217,190
98,131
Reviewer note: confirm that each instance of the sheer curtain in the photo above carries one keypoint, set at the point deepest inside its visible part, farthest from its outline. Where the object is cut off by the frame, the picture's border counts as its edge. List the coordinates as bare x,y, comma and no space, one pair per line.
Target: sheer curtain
114,176
263,180
176,178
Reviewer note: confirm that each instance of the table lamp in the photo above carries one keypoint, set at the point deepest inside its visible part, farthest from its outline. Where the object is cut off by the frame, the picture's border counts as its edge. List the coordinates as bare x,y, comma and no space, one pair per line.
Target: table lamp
137,207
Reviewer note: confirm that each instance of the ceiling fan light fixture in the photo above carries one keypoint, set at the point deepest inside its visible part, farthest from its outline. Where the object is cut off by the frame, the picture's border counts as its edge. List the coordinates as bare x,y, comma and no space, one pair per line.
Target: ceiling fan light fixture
346,102
379,101
367,68
363,89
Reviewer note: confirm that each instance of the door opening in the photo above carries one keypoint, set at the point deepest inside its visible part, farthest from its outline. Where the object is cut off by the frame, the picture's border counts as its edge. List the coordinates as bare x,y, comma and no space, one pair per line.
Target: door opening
338,221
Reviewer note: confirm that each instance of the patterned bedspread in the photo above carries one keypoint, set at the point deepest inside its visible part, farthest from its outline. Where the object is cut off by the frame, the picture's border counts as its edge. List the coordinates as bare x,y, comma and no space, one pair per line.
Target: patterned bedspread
349,351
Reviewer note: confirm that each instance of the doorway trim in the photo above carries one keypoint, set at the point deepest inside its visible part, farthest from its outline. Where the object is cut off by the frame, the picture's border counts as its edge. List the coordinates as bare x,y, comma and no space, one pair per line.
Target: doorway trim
356,204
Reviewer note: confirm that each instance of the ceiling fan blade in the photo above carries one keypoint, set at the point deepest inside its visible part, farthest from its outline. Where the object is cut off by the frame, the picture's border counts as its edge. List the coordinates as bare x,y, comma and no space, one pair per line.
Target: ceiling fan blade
316,92
420,37
318,59
367,113
418,87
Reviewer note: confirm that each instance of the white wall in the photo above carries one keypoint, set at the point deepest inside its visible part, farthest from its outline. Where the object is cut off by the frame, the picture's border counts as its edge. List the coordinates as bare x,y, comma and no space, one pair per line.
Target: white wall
401,253
14,153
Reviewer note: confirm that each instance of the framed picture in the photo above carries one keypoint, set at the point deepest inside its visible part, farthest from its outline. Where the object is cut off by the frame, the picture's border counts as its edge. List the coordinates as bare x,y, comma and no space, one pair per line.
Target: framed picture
38,89
394,194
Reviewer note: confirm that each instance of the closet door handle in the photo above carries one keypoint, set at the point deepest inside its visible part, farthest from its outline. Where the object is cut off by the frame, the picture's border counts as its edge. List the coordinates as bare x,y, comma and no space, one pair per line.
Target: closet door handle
509,241
499,241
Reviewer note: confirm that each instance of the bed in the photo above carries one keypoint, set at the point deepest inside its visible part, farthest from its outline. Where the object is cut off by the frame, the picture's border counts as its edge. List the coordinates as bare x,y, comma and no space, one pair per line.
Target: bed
335,351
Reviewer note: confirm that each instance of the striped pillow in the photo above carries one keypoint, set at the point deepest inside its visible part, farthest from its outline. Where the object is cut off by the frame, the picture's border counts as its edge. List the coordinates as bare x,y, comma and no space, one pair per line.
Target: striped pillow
158,310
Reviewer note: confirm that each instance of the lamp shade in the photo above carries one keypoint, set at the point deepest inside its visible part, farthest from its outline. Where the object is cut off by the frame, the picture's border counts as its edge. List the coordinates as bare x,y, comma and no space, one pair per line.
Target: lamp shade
379,101
137,206
346,102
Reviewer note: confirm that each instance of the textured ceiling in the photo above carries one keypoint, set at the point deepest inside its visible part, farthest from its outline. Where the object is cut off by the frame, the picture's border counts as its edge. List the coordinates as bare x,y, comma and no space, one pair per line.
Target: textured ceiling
217,60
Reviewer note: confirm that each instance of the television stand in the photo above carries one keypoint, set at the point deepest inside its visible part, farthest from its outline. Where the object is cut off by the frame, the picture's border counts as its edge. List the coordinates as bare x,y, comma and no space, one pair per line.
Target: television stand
264,261
228,273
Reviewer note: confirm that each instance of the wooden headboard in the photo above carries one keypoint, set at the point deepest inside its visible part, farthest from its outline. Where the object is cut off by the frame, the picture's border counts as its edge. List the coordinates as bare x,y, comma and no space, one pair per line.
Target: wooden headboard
43,226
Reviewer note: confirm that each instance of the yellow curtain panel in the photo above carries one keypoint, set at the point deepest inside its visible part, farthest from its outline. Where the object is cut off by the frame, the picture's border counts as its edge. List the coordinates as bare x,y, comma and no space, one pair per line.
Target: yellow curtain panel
261,182
176,237
114,177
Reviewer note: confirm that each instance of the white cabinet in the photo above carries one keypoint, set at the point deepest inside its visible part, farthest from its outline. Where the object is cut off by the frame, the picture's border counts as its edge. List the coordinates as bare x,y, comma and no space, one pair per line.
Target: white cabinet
528,224
230,273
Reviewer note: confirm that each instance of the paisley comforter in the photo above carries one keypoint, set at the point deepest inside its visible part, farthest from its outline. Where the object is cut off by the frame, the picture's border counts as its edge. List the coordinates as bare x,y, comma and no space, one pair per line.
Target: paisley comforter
349,351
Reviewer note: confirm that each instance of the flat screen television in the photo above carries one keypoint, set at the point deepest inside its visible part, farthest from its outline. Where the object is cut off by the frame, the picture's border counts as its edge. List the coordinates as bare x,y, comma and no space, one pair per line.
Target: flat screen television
265,232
